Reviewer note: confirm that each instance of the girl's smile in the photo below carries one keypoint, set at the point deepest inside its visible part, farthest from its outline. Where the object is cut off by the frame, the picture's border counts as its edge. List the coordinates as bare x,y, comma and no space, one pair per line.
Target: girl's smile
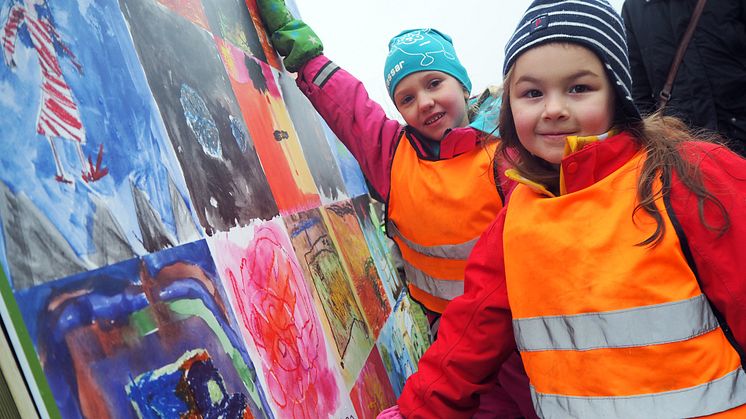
435,118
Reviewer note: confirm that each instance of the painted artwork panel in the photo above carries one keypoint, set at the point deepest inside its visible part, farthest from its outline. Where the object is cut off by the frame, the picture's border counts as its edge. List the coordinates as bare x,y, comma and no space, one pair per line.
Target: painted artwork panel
189,9
322,265
379,245
270,130
269,51
75,163
307,124
359,263
204,122
230,20
411,320
372,392
189,387
351,174
403,340
95,333
272,300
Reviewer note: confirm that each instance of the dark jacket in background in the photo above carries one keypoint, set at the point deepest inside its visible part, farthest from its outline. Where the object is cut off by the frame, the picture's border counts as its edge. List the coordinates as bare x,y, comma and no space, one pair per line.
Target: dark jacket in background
710,86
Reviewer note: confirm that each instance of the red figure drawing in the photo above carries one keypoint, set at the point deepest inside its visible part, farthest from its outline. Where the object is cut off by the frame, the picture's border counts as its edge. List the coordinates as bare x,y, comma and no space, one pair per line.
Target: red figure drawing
58,116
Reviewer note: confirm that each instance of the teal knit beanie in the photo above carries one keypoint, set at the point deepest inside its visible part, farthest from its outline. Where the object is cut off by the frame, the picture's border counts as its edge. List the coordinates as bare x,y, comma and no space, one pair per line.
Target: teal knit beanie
416,50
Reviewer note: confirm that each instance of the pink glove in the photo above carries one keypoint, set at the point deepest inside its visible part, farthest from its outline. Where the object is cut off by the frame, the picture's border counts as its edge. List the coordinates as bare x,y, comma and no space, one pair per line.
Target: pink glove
390,413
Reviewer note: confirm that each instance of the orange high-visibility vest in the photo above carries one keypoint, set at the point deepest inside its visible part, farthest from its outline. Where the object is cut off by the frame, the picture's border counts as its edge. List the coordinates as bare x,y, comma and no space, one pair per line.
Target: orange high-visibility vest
607,328
436,212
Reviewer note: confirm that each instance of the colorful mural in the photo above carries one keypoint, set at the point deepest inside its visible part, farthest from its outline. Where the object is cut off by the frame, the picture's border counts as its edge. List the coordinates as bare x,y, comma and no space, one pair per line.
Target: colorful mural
351,173
97,330
320,159
74,164
324,267
230,20
226,184
190,387
403,340
372,392
189,9
280,323
181,235
360,266
272,132
379,246
269,51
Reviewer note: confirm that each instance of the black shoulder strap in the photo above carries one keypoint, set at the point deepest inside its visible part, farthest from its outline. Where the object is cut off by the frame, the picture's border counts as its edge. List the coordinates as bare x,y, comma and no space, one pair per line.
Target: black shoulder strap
665,94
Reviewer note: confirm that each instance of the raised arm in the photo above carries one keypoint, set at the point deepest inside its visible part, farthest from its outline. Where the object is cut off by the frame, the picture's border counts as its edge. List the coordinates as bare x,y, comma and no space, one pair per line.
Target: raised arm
341,99
359,122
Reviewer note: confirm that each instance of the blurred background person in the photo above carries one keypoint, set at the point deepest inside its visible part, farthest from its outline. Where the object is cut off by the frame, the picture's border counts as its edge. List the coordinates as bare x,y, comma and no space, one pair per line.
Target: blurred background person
710,86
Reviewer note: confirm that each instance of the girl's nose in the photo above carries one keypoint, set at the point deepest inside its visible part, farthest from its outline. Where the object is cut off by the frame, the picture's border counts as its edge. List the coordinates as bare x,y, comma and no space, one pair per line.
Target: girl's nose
426,101
555,107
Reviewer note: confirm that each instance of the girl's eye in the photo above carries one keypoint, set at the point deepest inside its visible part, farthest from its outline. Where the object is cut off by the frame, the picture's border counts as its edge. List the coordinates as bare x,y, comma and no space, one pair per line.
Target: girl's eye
404,100
434,83
532,93
580,88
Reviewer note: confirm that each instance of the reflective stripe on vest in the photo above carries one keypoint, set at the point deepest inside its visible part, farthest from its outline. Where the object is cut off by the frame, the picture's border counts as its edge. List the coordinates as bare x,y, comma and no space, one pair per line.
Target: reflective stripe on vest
436,212
651,325
607,328
447,251
441,288
716,396
446,289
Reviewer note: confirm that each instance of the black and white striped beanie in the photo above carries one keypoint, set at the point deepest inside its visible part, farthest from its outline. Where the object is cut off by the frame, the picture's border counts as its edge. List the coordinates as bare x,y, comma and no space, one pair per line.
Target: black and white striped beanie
593,24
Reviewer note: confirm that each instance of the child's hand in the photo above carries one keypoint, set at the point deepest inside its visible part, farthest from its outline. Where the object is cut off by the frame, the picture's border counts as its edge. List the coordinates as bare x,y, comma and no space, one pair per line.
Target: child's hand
274,14
292,38
390,413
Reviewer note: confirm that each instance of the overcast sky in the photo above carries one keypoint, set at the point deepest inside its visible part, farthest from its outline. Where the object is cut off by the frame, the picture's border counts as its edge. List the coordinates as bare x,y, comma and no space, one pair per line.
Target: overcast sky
356,34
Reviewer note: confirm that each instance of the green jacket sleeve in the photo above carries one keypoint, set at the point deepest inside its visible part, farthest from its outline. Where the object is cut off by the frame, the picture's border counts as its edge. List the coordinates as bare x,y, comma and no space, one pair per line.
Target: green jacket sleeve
291,37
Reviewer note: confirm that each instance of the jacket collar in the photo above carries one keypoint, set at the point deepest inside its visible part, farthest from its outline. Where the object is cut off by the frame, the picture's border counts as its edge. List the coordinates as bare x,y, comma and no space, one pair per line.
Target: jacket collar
482,128
587,160
456,142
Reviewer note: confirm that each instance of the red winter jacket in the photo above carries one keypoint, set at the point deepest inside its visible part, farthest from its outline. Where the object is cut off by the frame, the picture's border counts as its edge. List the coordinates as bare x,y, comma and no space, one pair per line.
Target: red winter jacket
476,333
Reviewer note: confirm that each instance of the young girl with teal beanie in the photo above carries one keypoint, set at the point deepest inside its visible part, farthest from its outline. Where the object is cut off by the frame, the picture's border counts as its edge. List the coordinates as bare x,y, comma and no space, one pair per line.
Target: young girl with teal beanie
436,174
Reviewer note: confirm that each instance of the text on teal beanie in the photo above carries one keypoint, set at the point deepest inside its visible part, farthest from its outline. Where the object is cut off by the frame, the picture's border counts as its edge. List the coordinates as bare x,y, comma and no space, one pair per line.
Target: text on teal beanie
416,50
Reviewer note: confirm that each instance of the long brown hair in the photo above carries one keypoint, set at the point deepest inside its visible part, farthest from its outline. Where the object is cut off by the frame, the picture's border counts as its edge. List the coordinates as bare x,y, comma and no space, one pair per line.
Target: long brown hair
661,137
